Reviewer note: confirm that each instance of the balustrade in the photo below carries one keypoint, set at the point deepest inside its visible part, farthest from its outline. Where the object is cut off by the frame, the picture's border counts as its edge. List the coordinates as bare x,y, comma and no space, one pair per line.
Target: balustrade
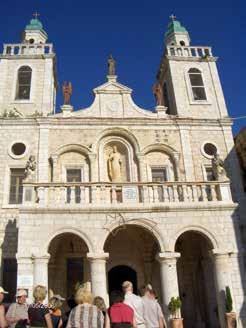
86,194
21,49
183,51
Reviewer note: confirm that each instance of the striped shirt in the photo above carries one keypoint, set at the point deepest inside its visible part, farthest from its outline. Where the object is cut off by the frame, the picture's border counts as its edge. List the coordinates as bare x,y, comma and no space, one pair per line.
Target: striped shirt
85,316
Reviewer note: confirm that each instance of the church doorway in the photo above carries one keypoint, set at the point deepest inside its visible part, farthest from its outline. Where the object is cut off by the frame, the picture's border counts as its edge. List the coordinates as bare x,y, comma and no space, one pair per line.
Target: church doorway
68,265
120,273
132,256
196,281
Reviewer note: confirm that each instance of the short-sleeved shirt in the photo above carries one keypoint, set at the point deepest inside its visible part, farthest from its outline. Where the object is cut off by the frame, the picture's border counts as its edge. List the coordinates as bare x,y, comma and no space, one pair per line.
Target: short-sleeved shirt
152,311
36,313
120,312
17,310
85,316
136,303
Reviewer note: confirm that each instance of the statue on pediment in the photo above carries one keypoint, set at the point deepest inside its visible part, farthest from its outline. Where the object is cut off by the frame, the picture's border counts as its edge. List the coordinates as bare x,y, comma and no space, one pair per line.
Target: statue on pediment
111,65
67,92
114,165
158,93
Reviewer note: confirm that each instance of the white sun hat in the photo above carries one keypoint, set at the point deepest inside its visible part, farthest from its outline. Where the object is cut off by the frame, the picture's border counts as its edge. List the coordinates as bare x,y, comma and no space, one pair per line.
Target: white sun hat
2,291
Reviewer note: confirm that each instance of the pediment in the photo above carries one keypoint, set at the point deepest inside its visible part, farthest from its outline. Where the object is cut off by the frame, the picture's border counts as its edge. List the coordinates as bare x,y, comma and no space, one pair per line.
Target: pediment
112,86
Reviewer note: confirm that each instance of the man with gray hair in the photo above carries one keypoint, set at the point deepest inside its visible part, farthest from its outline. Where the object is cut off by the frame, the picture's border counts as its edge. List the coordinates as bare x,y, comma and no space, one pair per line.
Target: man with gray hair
135,302
17,315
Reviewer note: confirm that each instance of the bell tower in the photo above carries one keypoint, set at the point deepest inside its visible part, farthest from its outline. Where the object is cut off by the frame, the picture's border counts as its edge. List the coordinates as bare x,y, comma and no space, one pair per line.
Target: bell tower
28,74
189,77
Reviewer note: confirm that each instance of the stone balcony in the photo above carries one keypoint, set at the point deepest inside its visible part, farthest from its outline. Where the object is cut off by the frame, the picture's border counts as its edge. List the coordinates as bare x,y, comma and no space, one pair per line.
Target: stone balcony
112,195
184,51
20,49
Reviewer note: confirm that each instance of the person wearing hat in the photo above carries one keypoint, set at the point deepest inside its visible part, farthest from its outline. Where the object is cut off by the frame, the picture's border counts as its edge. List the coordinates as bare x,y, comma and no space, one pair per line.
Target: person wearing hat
55,305
17,315
3,322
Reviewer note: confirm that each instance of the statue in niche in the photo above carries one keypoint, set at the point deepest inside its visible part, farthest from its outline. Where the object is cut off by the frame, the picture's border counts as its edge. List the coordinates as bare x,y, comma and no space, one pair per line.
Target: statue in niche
114,165
158,93
111,65
30,168
219,168
67,92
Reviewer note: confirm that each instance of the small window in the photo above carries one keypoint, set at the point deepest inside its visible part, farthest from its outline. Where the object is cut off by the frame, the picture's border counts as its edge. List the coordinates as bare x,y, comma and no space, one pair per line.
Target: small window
210,149
182,43
18,148
16,186
31,41
197,84
73,176
24,83
159,174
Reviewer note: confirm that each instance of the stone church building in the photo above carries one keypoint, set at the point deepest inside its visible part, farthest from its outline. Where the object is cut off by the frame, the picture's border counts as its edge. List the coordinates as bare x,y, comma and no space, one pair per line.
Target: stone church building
115,192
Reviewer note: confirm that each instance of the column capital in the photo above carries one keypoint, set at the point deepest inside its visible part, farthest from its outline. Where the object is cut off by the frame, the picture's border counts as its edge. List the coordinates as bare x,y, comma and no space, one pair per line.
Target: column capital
97,256
168,257
24,259
41,258
92,156
222,253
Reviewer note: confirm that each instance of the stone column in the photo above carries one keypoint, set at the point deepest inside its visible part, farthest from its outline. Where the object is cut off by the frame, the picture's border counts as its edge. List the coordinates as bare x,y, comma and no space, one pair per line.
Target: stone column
2,234
98,274
41,270
93,168
222,279
187,153
142,168
25,274
169,278
55,175
43,155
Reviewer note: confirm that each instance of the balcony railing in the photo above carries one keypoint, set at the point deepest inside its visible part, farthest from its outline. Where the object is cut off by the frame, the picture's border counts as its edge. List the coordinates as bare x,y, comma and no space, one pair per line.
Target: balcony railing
107,194
180,51
21,49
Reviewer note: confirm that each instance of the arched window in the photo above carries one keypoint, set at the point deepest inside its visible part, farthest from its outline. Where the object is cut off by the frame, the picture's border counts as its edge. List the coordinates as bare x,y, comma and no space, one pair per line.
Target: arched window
24,82
197,84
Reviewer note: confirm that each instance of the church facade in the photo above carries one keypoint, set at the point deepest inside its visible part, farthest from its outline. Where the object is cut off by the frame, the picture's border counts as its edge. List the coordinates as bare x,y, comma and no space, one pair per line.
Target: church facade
115,192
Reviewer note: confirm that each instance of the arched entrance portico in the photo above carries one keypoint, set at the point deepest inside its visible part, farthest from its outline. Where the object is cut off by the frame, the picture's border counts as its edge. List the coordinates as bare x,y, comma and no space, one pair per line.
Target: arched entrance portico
196,280
133,249
68,264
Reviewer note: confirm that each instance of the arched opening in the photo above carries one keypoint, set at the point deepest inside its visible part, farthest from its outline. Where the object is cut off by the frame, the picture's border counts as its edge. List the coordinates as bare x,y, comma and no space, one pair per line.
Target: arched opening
132,253
24,83
120,273
196,280
68,264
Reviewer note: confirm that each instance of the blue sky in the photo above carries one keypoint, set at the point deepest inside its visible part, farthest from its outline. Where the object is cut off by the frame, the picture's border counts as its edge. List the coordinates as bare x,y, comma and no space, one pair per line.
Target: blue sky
84,33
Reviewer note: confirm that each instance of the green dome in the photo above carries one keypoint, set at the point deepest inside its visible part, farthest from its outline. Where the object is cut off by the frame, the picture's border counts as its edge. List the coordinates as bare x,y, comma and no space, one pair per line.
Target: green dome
35,24
175,26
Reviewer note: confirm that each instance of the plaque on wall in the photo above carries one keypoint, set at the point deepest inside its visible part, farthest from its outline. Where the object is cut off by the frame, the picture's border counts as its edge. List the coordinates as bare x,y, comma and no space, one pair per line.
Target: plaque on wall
130,194
25,281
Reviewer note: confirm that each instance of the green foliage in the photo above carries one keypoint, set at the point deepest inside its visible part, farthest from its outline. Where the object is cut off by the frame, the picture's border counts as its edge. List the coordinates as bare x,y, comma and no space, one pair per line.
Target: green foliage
174,306
228,300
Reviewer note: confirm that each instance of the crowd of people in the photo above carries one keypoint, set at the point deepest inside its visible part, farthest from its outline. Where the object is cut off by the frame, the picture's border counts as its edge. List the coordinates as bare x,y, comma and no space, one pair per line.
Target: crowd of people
126,310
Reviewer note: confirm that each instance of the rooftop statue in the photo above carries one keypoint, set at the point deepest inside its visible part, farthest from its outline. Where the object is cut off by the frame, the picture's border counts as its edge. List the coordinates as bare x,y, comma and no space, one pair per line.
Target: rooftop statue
111,65
67,92
158,93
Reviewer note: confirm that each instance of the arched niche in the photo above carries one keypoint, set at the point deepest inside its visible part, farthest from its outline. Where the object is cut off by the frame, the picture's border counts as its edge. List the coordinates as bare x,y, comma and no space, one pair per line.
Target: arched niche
71,157
161,157
126,155
159,161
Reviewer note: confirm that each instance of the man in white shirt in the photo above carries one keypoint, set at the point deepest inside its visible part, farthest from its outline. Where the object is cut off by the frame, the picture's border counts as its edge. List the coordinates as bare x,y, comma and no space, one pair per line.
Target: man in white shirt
135,302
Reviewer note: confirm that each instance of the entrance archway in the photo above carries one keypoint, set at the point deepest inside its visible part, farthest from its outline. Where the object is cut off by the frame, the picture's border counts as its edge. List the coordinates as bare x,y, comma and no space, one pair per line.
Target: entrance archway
120,273
68,264
196,281
132,255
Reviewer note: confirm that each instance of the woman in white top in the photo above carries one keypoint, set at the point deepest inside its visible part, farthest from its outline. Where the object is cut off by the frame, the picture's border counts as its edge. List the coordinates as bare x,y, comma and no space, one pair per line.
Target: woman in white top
152,310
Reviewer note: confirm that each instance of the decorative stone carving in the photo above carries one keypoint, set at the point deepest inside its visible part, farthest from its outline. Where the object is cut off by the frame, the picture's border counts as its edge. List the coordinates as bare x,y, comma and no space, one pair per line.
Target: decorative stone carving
30,168
114,165
219,168
12,113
